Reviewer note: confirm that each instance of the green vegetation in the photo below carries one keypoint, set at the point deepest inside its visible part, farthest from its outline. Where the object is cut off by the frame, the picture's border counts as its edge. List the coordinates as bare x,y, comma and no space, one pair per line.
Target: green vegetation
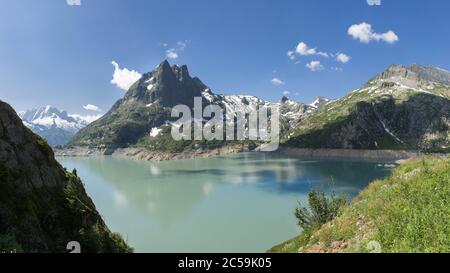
123,126
407,212
321,209
51,217
95,237
165,143
42,206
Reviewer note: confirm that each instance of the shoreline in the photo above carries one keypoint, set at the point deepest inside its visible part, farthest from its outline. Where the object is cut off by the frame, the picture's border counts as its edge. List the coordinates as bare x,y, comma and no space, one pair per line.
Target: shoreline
143,154
397,156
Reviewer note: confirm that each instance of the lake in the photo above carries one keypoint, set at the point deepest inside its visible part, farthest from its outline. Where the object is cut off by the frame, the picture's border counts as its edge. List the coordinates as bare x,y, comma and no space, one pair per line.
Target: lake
237,203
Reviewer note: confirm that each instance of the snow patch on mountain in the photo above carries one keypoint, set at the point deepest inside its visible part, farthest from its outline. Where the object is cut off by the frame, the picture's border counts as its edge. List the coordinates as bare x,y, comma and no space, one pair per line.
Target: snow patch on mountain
56,126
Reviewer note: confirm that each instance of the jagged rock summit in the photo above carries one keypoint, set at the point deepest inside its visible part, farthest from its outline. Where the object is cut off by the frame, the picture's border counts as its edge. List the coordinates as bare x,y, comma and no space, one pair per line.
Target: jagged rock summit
167,85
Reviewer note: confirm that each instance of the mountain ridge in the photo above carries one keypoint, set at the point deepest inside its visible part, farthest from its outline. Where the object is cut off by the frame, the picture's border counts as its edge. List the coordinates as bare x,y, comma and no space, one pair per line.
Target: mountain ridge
397,109
146,107
55,126
401,108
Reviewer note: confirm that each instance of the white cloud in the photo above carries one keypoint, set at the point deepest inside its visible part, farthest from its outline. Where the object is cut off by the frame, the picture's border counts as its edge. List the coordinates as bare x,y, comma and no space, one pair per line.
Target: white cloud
304,50
291,54
314,66
73,2
343,58
124,78
174,52
338,69
86,118
91,107
365,34
182,45
171,54
286,93
374,2
276,81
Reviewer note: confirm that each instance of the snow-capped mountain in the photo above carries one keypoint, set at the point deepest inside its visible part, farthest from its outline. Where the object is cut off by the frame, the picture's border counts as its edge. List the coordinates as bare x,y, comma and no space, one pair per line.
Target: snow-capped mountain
291,111
56,126
145,108
319,101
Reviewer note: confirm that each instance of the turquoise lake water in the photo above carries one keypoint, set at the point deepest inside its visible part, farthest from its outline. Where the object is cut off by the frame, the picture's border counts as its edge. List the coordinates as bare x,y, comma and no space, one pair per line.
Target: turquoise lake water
238,203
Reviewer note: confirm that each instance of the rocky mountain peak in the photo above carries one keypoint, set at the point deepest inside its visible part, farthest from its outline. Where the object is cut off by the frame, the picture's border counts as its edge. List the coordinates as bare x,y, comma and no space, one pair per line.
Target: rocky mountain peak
284,99
167,85
430,73
163,74
413,76
319,101
181,72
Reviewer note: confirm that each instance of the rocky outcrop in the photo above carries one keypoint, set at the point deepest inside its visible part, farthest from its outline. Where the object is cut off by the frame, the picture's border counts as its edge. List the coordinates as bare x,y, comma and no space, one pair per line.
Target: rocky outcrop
43,206
403,108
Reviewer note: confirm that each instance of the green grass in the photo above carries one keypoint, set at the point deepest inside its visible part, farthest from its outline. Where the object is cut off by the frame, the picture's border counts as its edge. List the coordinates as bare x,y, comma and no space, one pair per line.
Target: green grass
292,245
407,212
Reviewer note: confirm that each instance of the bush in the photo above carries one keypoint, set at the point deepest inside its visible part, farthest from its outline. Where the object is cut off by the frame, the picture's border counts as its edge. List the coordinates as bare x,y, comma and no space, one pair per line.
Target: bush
321,209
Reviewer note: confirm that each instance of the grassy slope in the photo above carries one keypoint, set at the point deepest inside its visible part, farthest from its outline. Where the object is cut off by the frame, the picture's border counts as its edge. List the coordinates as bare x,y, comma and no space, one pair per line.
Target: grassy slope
408,212
122,126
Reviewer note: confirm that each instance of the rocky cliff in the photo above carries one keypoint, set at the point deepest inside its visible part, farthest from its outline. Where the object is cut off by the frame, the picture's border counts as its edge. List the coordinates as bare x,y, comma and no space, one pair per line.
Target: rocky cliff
42,205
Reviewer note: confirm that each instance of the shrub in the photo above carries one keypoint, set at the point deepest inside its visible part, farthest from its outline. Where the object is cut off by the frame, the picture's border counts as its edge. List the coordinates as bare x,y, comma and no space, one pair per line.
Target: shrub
320,210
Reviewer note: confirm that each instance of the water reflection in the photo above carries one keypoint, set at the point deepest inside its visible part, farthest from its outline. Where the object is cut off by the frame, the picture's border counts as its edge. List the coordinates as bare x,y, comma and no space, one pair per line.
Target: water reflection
227,195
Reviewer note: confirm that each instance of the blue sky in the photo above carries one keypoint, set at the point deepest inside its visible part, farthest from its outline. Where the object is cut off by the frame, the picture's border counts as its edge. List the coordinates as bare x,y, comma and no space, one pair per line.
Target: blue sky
60,54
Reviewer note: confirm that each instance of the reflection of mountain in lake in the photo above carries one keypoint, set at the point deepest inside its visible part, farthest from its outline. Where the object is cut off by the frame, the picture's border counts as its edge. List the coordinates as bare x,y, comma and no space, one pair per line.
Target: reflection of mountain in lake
145,187
155,188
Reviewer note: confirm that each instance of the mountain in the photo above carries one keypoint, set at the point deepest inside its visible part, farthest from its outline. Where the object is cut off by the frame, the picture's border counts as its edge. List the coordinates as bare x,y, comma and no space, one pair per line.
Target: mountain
318,102
42,205
404,107
56,126
141,118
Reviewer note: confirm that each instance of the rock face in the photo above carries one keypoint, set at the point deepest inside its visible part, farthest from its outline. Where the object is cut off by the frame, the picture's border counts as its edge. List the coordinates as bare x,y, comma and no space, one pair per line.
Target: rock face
55,126
42,206
142,116
166,85
404,107
414,75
